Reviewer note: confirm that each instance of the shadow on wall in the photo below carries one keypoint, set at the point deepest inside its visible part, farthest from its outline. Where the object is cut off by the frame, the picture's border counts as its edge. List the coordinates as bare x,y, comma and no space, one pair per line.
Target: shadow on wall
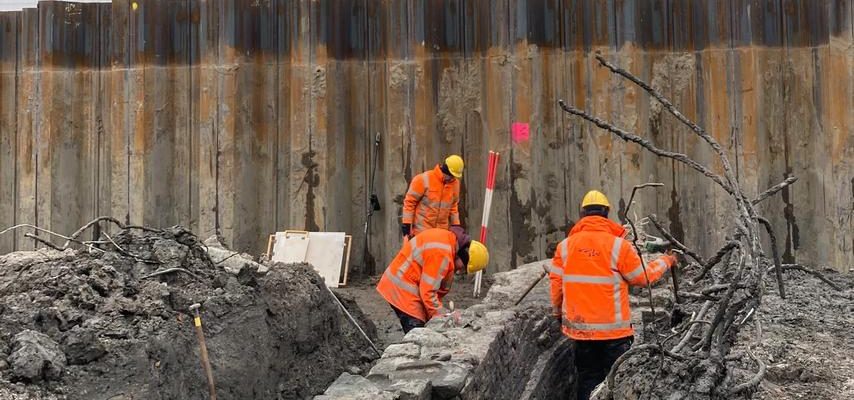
530,359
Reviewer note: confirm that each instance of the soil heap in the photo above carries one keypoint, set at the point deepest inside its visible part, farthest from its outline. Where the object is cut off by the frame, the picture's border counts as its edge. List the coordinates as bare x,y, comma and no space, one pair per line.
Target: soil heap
96,324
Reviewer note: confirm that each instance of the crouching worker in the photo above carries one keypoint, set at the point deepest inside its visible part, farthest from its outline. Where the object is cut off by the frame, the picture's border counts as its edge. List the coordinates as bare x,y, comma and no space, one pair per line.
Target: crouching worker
422,272
590,277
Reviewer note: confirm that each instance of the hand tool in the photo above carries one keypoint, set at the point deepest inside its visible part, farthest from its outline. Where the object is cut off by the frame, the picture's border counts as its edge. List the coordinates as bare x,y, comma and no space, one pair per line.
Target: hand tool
203,349
352,320
533,285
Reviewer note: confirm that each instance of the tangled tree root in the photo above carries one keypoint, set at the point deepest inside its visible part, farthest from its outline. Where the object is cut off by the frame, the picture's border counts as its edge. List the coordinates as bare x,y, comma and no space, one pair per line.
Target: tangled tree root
724,293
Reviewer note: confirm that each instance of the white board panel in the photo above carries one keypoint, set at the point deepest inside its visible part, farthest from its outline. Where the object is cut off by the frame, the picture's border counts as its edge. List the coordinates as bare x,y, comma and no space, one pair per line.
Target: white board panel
325,253
290,247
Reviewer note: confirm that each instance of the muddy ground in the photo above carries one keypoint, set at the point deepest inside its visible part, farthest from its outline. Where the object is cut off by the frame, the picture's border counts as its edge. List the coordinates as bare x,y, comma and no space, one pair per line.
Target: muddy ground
806,343
90,325
807,339
387,325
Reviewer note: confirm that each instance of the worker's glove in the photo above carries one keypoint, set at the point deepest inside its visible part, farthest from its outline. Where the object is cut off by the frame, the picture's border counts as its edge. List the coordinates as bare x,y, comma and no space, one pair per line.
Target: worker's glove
448,318
669,259
405,229
556,312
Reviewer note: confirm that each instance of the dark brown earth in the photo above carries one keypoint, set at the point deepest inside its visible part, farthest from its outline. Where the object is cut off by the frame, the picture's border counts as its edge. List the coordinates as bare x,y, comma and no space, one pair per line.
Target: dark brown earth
83,325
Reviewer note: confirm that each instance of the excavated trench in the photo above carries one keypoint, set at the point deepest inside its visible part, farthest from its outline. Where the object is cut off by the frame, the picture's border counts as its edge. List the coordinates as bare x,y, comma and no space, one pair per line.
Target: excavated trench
496,351
528,359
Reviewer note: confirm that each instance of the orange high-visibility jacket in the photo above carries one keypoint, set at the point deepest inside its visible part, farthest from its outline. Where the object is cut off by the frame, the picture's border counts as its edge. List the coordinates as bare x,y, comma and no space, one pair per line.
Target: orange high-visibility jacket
430,202
421,274
590,277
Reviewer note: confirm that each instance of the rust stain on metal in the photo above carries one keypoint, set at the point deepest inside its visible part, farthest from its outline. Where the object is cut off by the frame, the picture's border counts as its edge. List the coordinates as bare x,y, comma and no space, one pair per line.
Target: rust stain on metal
227,112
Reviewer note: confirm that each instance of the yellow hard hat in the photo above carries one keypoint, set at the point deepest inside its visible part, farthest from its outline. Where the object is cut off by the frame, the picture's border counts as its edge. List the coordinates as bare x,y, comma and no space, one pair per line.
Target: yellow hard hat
455,165
595,198
478,257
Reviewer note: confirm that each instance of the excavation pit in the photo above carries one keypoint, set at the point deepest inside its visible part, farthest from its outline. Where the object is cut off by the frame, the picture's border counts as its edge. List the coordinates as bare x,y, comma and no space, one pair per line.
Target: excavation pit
498,351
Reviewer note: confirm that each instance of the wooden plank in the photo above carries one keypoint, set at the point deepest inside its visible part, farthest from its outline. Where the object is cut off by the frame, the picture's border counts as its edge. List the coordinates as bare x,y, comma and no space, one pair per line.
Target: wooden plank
287,22
394,80
344,107
489,21
250,33
117,148
27,152
207,75
302,169
9,65
836,65
101,114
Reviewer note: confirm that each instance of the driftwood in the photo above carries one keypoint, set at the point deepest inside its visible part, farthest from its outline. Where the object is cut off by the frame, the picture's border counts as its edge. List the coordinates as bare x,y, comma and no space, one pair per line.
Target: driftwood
723,296
819,275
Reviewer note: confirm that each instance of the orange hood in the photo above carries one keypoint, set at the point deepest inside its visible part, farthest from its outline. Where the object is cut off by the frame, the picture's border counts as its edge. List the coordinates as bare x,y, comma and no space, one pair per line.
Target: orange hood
595,223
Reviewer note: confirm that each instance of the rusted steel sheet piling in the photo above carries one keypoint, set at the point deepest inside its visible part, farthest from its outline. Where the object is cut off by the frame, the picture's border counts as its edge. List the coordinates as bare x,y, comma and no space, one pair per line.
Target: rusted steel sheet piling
248,116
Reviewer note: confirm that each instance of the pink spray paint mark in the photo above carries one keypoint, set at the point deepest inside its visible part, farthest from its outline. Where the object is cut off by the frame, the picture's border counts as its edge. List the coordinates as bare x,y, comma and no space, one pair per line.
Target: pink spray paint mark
520,131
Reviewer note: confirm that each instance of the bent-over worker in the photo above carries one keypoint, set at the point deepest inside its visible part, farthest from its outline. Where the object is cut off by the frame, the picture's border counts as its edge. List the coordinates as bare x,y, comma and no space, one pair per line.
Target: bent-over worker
422,272
590,277
433,198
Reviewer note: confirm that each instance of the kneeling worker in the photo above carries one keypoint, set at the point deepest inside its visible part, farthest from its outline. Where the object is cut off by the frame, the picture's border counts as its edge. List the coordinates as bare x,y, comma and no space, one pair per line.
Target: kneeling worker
422,272
590,277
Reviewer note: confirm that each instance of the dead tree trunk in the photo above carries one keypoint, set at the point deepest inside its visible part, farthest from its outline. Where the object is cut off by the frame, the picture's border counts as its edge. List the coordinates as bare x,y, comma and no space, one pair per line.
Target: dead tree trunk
696,365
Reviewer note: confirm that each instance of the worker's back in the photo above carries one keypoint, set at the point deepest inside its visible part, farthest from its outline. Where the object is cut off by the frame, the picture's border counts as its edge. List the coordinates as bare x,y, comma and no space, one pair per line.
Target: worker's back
595,303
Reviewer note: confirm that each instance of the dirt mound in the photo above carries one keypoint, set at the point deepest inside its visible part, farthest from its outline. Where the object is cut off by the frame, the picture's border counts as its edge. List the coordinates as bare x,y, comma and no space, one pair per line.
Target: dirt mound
98,325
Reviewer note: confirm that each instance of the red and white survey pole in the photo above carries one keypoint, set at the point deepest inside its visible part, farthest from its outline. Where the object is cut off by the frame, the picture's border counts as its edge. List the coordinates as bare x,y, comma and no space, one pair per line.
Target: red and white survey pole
487,204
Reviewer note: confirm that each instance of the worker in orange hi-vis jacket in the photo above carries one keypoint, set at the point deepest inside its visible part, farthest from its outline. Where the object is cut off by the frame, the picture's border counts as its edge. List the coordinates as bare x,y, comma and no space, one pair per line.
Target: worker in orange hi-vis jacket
590,276
422,272
432,199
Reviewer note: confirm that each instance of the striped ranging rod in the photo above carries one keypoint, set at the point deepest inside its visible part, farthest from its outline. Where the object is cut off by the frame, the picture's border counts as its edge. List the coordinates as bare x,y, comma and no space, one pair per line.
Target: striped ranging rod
487,204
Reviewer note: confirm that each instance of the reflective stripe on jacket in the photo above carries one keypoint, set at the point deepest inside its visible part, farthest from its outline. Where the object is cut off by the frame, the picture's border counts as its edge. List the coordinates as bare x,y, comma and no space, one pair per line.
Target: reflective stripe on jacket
421,274
430,202
590,276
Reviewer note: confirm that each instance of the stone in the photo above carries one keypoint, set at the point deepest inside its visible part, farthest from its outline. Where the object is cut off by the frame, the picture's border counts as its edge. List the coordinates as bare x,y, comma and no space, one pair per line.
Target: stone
354,387
426,337
36,357
447,379
385,366
231,261
82,346
509,286
410,350
413,389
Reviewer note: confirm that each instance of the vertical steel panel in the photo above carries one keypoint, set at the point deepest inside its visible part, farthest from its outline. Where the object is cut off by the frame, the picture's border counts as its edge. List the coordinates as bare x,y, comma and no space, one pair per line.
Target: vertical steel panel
242,117
9,72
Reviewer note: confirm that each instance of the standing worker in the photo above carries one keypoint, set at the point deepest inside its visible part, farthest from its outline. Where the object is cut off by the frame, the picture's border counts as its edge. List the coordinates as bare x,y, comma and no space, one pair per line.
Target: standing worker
433,198
590,277
422,272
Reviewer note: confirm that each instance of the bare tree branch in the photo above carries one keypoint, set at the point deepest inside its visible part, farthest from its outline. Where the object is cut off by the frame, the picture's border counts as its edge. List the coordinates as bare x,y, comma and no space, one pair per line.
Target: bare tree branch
775,254
722,252
753,382
774,189
649,146
667,235
819,275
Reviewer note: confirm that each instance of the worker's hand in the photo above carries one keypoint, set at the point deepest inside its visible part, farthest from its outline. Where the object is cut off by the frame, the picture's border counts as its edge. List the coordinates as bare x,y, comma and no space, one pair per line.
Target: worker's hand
669,258
556,312
405,229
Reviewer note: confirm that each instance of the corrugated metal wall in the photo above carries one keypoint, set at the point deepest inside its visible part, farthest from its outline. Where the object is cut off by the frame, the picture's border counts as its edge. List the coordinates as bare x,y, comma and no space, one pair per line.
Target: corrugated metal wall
250,116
